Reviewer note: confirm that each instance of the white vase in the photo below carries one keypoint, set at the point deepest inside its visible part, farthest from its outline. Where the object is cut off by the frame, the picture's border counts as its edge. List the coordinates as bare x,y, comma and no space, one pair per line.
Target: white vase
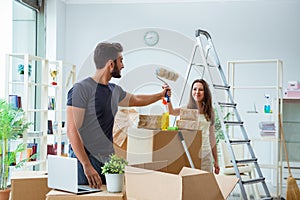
21,76
114,182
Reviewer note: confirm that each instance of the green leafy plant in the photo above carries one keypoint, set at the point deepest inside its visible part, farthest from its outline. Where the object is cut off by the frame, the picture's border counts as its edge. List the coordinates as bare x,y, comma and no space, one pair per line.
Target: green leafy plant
21,69
116,165
12,125
218,127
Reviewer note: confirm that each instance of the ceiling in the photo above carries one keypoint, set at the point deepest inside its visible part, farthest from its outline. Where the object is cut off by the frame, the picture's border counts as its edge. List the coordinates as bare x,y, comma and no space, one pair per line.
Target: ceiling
139,1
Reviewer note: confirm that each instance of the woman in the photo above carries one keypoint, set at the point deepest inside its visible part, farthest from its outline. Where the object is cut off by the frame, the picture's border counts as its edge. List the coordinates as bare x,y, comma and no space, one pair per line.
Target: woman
200,98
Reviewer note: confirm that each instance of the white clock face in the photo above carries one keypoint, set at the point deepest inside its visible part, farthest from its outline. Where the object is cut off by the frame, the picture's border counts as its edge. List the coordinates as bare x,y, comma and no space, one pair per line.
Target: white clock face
151,38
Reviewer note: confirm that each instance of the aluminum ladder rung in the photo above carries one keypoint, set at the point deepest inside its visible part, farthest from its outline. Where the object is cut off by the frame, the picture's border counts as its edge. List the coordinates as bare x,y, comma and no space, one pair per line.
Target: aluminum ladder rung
250,160
232,105
198,64
212,65
267,198
255,180
236,142
233,123
221,87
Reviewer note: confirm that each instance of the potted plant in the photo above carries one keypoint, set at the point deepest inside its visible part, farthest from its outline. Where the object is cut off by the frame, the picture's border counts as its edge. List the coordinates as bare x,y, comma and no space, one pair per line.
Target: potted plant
21,71
114,173
12,126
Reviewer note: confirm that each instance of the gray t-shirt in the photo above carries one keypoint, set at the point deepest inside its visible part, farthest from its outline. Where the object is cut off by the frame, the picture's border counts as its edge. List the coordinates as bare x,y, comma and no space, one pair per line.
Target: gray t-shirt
101,105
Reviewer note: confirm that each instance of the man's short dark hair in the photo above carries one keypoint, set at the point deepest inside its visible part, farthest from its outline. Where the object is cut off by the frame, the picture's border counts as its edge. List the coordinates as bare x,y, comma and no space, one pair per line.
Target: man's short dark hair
106,51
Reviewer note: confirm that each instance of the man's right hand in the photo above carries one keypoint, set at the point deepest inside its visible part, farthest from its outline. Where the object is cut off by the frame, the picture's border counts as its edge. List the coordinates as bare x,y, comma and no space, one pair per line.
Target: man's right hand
92,176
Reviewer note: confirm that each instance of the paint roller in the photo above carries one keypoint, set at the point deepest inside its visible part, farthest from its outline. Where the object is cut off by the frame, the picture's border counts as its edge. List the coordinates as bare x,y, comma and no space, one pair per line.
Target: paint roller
166,74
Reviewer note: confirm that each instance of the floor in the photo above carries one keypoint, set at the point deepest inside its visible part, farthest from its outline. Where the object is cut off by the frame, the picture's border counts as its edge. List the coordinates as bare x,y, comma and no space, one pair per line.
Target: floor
235,195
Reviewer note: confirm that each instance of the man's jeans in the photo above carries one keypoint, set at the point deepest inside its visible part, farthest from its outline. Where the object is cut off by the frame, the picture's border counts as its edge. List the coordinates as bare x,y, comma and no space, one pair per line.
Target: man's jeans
82,180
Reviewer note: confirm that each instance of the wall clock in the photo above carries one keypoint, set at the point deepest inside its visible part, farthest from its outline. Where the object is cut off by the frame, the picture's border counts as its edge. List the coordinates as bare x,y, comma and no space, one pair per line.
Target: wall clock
151,38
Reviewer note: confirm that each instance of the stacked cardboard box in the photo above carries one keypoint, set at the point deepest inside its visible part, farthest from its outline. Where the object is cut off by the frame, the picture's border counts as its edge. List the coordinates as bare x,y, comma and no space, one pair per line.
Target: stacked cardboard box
152,122
188,119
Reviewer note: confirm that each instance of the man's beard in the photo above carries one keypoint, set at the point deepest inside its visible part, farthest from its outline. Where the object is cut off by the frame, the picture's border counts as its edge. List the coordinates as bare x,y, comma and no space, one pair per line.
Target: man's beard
116,73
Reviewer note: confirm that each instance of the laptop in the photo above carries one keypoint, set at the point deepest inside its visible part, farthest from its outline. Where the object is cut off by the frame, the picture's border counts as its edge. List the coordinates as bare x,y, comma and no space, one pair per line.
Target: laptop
62,175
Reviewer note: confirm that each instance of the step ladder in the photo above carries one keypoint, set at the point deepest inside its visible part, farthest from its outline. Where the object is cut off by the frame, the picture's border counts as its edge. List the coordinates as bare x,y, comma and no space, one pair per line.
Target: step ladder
224,104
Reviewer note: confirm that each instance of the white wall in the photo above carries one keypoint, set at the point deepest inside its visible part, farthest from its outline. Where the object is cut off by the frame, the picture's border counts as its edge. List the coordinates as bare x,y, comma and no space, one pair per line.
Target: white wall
240,29
55,30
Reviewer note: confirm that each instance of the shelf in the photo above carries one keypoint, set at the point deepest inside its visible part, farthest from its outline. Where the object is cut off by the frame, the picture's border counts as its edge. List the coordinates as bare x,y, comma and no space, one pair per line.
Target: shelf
33,163
267,147
34,134
268,166
254,87
265,138
36,110
291,100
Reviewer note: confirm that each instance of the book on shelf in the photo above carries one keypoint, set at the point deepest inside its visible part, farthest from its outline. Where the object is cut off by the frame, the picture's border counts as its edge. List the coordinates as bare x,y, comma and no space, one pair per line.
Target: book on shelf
267,128
50,127
267,132
33,147
15,101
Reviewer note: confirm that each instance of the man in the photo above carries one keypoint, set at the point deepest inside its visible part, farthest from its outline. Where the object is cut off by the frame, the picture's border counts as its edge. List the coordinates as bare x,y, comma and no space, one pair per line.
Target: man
91,108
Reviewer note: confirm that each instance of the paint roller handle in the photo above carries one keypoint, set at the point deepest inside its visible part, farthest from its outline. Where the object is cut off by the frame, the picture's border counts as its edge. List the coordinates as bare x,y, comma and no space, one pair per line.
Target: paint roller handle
166,93
167,96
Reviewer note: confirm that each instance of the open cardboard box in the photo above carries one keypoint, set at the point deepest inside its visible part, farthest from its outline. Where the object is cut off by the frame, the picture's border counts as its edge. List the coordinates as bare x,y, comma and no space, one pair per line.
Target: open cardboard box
151,181
146,146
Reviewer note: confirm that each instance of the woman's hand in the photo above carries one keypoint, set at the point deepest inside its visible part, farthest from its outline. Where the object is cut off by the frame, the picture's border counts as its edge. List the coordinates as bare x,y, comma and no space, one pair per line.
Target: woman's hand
217,168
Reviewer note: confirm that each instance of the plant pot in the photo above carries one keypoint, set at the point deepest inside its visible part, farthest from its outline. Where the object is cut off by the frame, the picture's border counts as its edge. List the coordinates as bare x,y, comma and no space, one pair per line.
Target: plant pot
114,182
4,194
21,76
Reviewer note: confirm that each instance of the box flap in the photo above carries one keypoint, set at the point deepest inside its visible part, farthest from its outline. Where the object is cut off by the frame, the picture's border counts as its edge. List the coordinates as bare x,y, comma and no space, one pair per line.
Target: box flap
226,184
185,171
157,166
28,174
199,184
143,184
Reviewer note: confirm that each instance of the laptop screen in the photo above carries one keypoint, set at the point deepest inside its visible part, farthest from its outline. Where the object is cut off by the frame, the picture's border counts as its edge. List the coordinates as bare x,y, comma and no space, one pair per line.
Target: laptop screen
62,173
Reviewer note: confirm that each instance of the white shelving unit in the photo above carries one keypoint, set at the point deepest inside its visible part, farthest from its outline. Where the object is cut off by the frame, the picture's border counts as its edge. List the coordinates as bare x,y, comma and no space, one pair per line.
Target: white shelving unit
65,79
35,91
250,80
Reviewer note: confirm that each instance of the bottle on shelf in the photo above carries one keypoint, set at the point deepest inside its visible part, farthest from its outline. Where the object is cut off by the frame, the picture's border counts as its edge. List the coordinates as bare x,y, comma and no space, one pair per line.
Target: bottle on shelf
267,107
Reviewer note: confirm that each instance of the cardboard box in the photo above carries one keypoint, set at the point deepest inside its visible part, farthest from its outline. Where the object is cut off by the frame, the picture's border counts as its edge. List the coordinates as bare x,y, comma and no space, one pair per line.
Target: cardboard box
146,146
152,122
188,125
29,185
189,184
188,114
103,195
